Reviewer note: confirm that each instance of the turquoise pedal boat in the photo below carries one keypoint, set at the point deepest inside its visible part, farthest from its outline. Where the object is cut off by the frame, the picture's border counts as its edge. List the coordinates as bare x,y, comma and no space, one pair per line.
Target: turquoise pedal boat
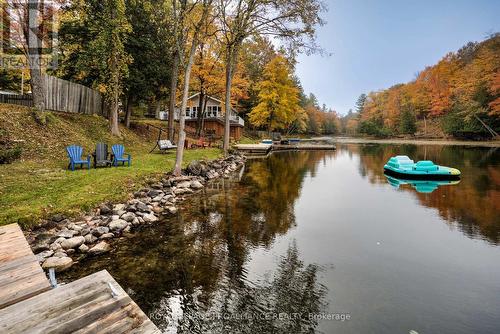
403,167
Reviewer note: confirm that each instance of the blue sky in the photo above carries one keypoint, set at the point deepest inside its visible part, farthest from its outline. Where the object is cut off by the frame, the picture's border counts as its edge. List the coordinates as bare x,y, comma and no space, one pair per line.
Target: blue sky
378,43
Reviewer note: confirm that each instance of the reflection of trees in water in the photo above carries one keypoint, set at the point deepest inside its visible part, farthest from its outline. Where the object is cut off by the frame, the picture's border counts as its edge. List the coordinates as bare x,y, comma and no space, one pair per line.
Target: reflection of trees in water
283,304
197,259
474,204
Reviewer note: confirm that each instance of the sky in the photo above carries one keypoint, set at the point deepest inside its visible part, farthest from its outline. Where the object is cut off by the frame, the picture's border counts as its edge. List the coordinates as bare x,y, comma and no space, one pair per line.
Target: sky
375,44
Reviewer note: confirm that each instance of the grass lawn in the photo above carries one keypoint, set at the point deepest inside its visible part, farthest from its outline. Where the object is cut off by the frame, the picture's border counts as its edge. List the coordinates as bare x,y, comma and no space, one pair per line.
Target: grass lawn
39,184
29,191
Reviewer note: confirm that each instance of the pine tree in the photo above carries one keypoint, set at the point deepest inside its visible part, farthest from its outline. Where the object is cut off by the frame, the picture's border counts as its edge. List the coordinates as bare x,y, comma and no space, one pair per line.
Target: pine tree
360,103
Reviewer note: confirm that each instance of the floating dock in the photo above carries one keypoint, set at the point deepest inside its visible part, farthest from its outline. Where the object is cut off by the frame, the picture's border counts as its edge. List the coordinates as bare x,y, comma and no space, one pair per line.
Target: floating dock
303,147
93,304
264,149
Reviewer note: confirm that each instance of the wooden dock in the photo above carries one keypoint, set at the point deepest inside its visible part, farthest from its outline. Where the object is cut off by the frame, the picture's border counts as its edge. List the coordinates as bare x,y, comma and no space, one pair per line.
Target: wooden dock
21,276
303,147
265,149
255,149
93,304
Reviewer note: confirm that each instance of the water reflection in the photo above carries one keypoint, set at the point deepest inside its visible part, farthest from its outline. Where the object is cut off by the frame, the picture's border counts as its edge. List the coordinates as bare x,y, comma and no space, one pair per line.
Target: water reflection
421,186
282,304
474,205
263,243
190,270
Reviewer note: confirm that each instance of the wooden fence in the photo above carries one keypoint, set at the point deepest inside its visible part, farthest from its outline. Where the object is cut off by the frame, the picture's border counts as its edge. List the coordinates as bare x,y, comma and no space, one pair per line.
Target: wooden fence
23,100
63,95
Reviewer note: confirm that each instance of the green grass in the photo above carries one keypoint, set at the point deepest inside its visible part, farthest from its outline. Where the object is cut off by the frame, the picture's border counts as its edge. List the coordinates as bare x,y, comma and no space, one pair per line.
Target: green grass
39,185
29,191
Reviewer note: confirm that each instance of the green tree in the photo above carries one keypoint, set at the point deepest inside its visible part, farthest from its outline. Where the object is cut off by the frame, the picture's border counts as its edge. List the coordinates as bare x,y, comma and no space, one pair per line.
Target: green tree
109,53
149,37
93,34
408,123
360,103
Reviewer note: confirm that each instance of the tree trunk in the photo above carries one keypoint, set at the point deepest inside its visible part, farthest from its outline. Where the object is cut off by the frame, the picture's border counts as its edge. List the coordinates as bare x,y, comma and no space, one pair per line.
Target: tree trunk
34,58
128,112
113,115
201,104
227,102
182,113
173,89
158,108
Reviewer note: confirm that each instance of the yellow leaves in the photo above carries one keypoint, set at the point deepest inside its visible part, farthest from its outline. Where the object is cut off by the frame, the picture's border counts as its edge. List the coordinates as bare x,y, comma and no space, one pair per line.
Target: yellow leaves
278,105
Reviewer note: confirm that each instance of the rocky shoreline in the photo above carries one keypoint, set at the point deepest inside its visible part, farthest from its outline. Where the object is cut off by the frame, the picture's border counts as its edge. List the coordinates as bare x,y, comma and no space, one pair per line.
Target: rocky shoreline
60,242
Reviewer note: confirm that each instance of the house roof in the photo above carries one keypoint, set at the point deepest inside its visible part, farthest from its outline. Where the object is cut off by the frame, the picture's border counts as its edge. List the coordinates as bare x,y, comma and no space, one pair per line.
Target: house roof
212,98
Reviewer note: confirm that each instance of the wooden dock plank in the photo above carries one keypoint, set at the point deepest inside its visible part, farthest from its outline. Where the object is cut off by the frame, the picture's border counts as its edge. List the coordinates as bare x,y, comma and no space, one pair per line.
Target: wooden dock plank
21,276
83,306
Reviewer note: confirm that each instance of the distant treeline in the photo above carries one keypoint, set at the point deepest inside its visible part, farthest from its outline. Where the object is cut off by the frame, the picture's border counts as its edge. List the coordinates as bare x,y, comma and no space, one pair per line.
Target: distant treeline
460,94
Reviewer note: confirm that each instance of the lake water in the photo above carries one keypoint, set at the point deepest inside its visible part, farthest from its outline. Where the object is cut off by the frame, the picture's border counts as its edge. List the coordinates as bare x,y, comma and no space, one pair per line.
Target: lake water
323,242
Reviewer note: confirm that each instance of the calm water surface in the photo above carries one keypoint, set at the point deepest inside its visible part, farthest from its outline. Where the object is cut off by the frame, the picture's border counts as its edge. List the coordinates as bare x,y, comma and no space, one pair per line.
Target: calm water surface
300,238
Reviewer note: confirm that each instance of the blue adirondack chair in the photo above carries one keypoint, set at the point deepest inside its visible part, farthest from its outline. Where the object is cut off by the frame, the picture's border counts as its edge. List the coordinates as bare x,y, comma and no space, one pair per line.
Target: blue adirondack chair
119,155
75,157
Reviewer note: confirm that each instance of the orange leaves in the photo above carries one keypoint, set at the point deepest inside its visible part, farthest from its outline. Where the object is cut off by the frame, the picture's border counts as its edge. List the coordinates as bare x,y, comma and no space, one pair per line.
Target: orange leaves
495,91
459,79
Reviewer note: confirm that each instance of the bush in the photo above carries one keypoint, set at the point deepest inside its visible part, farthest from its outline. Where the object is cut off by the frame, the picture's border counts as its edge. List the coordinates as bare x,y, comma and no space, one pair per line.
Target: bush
408,124
42,117
8,155
371,128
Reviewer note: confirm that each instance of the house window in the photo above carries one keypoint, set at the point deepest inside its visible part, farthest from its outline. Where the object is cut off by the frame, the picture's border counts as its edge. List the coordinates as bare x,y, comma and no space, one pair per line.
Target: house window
194,112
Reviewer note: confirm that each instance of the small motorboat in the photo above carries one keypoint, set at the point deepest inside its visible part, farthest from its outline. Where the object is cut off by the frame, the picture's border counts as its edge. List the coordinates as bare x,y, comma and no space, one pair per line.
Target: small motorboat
403,167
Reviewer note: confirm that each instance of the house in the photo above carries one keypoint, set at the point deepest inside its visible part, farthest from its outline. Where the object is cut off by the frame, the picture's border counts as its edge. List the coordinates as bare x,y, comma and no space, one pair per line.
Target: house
214,117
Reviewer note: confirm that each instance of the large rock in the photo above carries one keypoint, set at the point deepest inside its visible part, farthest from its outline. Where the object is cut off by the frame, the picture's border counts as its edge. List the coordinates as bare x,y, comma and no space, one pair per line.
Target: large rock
172,210
195,167
196,185
66,233
105,209
58,263
117,225
142,207
128,217
150,218
154,192
107,236
101,230
184,184
72,242
83,248
90,238
101,247
43,255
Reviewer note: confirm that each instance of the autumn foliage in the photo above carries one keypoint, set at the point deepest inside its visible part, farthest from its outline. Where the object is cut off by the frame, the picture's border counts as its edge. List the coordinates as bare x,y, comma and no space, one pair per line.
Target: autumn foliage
278,97
460,89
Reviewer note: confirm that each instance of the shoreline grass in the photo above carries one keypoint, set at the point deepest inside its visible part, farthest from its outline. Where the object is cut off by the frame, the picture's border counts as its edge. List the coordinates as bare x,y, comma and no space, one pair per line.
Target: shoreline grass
30,192
39,185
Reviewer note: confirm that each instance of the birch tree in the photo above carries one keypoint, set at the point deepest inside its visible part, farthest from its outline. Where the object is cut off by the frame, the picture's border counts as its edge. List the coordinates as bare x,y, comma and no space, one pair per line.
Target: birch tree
195,18
292,22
